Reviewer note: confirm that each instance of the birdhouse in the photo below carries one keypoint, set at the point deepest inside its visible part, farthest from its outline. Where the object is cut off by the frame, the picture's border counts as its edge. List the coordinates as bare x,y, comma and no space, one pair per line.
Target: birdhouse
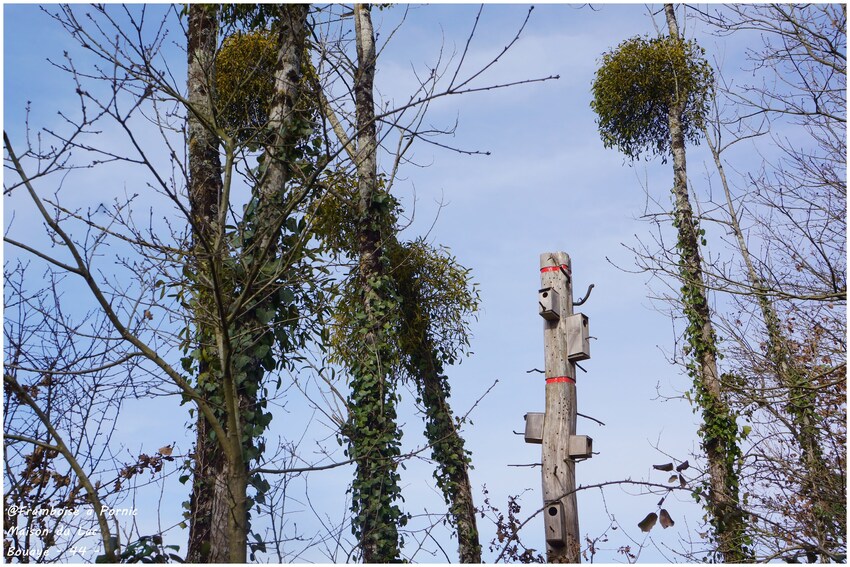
553,522
534,428
549,303
578,337
581,447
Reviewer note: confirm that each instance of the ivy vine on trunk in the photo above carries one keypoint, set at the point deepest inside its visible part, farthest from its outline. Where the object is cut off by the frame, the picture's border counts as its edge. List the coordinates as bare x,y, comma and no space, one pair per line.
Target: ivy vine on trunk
435,298
244,297
652,95
372,431
423,361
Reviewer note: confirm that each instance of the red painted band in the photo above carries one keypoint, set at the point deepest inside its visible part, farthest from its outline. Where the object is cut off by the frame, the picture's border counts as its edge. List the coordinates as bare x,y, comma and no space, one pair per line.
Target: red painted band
555,268
557,379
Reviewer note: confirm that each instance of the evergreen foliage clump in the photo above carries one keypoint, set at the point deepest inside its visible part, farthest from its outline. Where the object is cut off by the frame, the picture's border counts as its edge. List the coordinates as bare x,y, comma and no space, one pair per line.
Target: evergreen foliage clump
244,82
636,85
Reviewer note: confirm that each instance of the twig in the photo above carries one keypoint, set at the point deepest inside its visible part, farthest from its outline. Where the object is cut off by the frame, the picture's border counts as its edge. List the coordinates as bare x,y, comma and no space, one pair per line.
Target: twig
590,418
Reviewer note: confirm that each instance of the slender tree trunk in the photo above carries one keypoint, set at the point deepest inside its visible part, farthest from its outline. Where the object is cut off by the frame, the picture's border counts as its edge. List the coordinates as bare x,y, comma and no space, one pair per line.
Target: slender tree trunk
291,28
447,445
719,430
800,393
440,429
372,431
367,149
209,501
449,452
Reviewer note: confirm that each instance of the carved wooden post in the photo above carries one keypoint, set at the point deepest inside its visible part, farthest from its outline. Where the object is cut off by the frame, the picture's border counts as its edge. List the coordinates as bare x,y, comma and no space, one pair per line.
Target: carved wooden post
565,338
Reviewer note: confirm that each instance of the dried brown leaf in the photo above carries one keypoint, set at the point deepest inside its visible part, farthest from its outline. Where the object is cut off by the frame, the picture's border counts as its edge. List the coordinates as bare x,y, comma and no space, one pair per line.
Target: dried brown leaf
664,467
648,522
666,520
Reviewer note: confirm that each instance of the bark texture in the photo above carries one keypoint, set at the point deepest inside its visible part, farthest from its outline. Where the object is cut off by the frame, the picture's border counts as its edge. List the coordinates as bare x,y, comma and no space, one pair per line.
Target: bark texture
207,536
291,27
369,235
718,430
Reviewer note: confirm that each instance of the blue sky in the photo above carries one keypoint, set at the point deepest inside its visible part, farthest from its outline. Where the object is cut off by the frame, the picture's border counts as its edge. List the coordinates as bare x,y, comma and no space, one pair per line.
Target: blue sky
548,185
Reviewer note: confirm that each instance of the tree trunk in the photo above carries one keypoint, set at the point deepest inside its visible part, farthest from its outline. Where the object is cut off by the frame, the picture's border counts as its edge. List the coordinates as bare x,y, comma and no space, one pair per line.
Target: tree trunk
800,393
447,445
219,517
449,452
209,502
372,431
440,430
291,27
719,430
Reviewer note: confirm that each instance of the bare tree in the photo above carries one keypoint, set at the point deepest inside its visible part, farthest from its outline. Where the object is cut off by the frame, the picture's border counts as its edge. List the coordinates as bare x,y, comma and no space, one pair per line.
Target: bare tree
52,432
794,286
